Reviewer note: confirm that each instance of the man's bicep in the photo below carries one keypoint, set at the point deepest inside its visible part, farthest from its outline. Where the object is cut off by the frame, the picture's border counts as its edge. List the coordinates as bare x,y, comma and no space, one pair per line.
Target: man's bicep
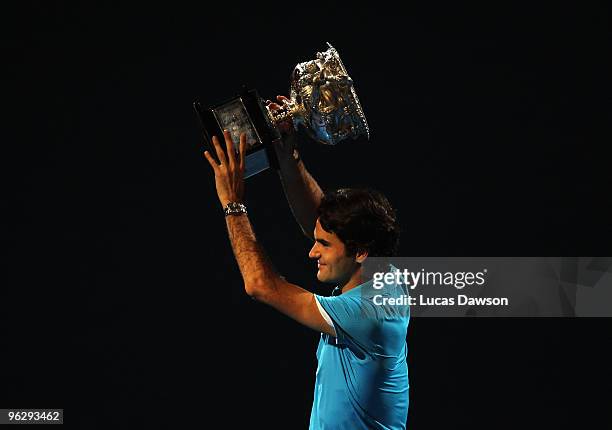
298,304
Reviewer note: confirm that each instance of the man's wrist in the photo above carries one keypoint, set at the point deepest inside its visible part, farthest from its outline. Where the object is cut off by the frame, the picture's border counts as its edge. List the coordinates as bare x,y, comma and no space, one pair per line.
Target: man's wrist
225,200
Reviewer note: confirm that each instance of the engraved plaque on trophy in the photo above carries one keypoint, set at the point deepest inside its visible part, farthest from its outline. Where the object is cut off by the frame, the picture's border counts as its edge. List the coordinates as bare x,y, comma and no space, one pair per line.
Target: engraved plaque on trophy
322,100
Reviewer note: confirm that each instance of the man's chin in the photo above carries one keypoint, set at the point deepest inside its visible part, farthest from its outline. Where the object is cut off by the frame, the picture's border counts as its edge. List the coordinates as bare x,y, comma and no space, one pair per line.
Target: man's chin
323,278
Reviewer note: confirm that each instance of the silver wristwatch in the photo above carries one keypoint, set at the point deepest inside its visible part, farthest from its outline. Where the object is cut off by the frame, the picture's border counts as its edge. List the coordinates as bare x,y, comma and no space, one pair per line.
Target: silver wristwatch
234,208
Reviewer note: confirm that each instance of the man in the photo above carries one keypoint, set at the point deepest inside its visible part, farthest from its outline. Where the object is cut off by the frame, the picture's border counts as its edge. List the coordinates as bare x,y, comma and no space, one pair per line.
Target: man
362,376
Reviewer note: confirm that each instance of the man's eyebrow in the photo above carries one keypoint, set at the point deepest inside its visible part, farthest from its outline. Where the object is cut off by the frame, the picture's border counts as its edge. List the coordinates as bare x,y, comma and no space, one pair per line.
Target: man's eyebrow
322,241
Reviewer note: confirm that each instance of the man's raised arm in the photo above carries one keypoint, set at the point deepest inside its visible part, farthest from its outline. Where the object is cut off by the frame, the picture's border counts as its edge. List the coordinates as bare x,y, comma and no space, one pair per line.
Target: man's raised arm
260,280
303,193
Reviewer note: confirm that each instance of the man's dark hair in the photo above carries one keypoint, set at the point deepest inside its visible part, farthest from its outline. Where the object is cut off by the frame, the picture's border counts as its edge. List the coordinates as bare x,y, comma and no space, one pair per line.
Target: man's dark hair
363,219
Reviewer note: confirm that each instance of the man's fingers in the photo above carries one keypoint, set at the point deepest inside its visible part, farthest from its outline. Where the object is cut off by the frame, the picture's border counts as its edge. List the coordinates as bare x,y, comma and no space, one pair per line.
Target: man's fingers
275,106
211,161
242,148
229,144
219,151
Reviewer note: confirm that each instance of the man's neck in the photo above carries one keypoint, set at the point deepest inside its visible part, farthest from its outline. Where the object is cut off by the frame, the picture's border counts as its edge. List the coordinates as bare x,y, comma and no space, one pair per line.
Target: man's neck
355,280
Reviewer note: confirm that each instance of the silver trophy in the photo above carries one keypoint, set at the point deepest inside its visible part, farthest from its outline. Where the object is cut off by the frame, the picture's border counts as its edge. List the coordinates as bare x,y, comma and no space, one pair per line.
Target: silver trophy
322,100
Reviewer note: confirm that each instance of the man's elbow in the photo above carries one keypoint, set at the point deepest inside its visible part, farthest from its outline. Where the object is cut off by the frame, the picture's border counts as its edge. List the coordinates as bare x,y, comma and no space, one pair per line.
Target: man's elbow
256,289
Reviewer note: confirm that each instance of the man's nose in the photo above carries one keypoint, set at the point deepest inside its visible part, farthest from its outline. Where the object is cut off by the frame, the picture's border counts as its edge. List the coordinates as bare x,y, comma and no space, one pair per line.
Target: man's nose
314,252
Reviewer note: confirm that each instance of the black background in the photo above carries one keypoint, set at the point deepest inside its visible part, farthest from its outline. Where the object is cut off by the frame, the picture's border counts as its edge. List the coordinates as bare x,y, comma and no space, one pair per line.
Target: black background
122,301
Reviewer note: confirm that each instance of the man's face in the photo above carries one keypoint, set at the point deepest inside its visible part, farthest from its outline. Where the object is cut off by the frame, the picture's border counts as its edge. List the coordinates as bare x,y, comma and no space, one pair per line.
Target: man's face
333,263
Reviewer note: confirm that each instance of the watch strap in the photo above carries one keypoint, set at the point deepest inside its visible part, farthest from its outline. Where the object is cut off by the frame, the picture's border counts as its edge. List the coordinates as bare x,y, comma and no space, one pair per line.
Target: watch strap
234,208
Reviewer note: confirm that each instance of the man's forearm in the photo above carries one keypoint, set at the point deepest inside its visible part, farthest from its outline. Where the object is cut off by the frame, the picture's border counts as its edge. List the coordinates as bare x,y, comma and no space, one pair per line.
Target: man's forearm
262,283
256,270
303,194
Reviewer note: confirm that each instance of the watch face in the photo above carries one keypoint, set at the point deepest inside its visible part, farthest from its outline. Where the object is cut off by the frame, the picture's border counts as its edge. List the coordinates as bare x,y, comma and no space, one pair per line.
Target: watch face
232,116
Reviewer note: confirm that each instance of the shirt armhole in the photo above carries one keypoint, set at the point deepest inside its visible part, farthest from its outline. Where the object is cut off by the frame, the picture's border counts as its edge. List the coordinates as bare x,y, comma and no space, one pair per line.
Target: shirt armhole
325,316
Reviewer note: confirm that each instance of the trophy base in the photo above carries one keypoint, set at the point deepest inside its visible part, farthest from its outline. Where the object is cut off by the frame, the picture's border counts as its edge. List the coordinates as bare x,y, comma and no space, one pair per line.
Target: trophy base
255,163
246,114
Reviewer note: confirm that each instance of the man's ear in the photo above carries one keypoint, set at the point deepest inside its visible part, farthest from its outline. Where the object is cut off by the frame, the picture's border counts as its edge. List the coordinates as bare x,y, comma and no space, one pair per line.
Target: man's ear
361,255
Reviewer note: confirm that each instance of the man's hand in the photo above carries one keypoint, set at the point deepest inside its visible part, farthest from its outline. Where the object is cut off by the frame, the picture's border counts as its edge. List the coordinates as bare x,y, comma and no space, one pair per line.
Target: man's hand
229,172
286,127
286,145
